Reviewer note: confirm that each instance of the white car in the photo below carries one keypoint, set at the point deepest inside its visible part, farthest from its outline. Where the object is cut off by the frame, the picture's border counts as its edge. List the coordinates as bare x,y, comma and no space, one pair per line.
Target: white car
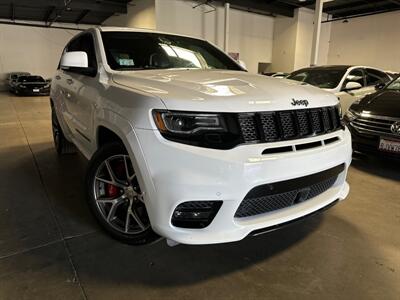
349,83
185,144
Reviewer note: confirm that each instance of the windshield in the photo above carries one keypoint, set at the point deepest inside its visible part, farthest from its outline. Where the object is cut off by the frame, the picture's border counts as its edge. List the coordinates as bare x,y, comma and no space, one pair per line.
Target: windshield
30,79
325,79
394,85
141,51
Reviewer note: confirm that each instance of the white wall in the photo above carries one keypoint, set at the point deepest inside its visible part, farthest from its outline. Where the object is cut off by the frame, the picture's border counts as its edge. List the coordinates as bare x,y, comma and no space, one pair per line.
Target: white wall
141,14
32,49
284,44
305,32
293,40
250,34
372,40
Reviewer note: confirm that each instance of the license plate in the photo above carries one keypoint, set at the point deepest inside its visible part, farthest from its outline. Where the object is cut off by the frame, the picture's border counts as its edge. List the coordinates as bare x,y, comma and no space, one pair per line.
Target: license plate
389,146
36,90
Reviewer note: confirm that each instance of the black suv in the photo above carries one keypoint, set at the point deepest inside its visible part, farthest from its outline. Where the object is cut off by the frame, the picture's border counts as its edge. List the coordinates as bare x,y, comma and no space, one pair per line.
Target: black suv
374,121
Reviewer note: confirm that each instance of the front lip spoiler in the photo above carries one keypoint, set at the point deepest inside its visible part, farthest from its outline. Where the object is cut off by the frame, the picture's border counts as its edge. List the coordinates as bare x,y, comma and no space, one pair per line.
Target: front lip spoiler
291,222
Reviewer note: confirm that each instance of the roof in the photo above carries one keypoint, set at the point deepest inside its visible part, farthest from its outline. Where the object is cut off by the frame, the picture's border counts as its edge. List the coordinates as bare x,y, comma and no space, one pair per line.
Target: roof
130,29
327,67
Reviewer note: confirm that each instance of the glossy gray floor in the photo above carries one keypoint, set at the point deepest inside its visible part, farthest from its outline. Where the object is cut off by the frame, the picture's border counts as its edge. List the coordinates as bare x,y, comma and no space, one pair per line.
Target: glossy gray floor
51,248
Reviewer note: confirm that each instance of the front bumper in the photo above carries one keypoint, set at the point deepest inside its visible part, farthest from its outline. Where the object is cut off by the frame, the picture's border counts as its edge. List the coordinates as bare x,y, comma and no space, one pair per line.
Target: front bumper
174,173
31,92
369,143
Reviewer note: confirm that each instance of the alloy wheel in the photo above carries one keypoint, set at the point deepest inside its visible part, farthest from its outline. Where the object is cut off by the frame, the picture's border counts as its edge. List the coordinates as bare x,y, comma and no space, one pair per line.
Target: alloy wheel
118,196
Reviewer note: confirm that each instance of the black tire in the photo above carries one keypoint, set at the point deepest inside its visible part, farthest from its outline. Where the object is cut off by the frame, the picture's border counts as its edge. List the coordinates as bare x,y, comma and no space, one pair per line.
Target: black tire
103,154
62,145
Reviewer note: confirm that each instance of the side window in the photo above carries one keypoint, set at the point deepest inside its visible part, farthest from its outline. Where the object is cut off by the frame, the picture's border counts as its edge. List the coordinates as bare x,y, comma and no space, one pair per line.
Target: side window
84,43
356,75
299,77
87,45
375,77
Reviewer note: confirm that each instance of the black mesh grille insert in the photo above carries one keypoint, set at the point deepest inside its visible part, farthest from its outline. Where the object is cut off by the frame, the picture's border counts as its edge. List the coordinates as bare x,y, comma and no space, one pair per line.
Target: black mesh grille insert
275,196
248,126
286,125
269,127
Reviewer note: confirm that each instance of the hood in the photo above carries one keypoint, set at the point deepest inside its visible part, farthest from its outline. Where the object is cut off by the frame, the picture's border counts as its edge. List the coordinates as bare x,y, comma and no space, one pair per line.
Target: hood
223,91
382,103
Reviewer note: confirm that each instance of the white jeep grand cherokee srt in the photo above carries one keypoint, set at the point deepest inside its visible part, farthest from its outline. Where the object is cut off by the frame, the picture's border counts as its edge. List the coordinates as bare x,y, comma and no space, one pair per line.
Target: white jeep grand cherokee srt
183,143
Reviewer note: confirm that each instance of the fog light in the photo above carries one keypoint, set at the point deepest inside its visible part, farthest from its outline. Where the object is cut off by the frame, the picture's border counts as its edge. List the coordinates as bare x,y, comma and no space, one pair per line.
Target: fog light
195,214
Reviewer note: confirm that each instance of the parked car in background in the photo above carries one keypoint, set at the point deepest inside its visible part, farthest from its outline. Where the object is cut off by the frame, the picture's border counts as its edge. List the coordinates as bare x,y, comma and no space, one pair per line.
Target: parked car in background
374,122
276,74
31,85
12,78
349,83
183,144
392,74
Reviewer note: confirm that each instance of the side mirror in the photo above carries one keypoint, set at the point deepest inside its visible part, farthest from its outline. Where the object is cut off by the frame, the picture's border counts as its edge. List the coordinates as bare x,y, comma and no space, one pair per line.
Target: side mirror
242,64
380,86
352,85
74,59
77,61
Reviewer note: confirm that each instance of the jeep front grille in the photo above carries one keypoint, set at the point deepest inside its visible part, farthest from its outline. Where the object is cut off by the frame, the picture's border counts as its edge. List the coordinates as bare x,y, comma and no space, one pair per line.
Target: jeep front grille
288,124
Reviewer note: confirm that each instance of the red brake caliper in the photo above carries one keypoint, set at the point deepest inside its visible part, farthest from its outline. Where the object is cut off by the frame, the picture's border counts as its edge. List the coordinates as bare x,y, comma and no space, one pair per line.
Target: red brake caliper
112,190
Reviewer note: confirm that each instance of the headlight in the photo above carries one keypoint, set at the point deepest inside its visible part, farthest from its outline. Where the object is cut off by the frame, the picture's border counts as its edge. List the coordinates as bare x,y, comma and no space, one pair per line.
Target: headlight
210,130
22,86
187,123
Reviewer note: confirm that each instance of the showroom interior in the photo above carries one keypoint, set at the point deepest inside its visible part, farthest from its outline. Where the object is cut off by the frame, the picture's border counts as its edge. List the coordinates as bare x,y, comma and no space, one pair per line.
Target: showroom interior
301,56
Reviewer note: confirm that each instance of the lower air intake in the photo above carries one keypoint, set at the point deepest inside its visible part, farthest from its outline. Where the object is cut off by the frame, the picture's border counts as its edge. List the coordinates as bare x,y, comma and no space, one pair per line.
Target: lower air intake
271,197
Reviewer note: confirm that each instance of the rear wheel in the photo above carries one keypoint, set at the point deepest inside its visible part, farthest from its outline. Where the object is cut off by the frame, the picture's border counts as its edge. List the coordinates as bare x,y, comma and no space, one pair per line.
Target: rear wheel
115,197
62,145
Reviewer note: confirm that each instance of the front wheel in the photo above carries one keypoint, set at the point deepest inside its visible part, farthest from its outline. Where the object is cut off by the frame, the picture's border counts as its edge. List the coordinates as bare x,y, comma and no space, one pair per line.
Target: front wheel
115,197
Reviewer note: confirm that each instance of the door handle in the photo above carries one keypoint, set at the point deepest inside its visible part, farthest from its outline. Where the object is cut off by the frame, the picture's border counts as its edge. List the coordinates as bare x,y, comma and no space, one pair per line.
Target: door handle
70,81
58,77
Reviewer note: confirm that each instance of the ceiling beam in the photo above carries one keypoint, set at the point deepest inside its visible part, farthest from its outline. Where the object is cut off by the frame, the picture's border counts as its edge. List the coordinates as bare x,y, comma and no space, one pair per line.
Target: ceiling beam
12,11
83,14
376,12
262,7
49,13
296,4
349,8
394,1
56,17
107,6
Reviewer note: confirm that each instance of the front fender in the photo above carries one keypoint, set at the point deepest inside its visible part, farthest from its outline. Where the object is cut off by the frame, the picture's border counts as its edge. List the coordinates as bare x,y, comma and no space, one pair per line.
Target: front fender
126,132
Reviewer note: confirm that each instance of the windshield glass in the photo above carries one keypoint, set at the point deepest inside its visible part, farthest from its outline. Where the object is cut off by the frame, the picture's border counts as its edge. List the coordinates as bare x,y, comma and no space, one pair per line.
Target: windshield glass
141,51
394,85
30,79
325,79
